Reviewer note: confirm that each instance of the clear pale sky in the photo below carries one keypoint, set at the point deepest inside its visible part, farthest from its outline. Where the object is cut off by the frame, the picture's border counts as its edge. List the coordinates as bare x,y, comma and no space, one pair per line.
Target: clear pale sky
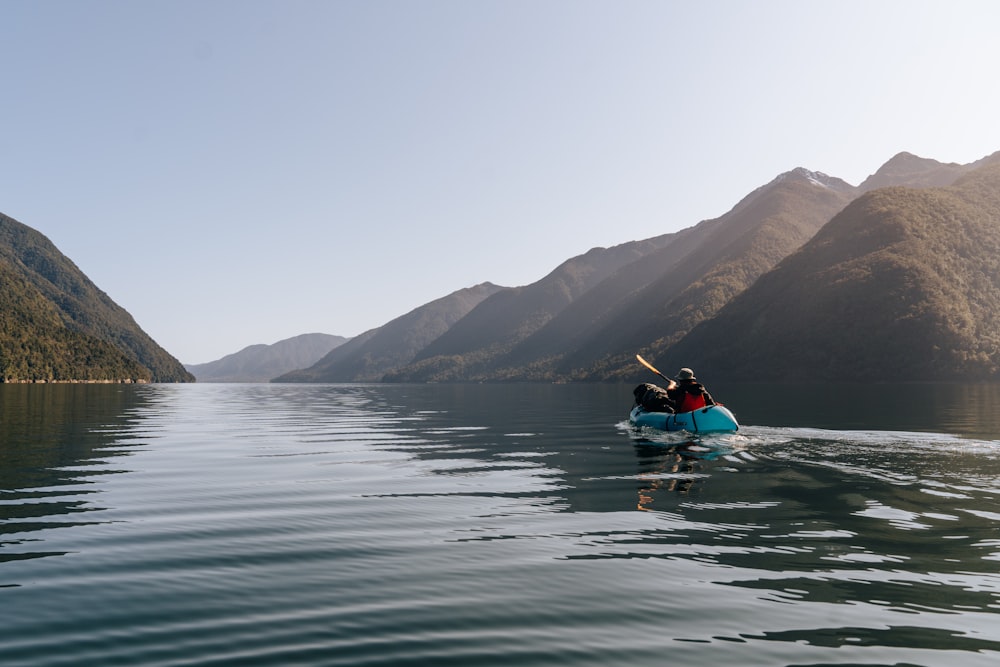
235,172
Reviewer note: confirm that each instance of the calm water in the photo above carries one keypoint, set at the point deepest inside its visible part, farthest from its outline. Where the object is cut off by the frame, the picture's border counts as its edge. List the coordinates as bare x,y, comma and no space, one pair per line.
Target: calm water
495,525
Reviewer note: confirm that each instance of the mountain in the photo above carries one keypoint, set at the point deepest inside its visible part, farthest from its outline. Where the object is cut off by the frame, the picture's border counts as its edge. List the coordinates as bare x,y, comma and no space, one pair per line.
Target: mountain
469,349
647,301
56,325
260,363
366,358
903,284
737,248
589,316
917,172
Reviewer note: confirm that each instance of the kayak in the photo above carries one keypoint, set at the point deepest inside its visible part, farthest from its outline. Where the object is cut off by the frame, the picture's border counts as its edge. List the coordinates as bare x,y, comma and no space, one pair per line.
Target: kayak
710,419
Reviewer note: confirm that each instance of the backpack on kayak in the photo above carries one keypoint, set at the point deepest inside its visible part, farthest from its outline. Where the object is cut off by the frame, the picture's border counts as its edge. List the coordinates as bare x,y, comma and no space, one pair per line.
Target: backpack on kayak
652,398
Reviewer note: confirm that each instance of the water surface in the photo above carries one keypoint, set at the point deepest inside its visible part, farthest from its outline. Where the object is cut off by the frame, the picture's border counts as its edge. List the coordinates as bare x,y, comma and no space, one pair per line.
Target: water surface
495,525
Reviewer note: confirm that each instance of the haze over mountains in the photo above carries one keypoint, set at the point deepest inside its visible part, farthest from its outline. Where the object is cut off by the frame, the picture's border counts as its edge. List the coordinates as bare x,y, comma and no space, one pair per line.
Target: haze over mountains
369,356
260,363
807,277
662,297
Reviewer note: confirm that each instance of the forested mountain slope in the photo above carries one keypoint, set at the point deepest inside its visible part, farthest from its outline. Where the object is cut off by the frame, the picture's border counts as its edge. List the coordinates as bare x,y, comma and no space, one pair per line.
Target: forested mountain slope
56,325
904,284
918,172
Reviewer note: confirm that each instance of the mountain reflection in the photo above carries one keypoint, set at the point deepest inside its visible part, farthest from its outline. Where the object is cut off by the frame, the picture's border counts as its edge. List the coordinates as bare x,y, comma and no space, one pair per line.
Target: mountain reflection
53,442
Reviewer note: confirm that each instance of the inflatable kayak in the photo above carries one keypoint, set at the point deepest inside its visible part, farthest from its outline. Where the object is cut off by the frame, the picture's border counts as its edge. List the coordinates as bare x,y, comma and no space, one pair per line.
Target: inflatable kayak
711,419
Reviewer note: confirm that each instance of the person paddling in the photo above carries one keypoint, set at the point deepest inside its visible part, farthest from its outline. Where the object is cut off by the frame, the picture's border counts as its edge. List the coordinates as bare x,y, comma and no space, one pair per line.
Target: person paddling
688,394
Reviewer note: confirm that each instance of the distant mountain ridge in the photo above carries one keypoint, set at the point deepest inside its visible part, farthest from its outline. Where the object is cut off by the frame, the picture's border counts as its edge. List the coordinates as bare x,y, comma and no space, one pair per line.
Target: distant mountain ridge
369,356
57,326
586,321
916,172
260,363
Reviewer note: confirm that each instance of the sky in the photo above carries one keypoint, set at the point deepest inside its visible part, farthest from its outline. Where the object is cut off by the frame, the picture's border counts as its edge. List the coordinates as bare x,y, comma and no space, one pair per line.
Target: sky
234,172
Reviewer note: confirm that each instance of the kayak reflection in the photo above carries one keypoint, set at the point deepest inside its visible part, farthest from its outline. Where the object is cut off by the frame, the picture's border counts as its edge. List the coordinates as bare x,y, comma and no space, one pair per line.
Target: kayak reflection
675,468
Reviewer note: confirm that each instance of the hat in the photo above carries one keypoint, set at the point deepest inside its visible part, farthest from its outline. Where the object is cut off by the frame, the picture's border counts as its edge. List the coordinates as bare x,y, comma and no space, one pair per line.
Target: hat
685,374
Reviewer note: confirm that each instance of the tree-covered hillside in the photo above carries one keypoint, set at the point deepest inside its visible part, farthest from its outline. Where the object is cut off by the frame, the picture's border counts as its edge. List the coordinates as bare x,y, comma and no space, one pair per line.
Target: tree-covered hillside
56,325
904,284
35,345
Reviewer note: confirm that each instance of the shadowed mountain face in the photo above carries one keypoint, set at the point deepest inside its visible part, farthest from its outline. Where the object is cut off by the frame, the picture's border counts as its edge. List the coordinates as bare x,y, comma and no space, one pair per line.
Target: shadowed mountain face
56,325
260,363
904,284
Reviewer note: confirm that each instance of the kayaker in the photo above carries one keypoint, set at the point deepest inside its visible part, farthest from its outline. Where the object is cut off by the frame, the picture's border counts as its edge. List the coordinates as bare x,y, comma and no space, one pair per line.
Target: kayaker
688,394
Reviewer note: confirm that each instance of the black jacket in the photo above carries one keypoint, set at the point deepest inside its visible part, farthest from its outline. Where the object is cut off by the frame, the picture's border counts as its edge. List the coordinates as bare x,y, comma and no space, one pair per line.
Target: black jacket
692,387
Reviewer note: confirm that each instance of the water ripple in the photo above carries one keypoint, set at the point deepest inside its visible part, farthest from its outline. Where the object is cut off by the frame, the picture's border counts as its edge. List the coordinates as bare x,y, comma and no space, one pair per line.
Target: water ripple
365,525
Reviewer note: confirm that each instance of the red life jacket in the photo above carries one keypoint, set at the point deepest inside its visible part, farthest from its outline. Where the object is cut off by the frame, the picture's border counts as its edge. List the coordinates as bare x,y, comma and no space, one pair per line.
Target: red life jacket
690,402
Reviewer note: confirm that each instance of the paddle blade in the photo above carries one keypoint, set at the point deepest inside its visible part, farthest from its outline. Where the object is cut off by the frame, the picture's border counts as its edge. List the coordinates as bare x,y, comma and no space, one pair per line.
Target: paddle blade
670,383
648,365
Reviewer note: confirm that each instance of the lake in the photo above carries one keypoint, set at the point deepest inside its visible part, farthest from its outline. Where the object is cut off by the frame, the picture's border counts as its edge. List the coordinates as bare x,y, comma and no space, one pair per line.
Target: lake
474,525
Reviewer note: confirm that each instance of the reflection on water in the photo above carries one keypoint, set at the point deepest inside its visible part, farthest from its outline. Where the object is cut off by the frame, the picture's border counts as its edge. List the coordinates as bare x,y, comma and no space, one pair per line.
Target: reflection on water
46,427
54,440
430,525
670,468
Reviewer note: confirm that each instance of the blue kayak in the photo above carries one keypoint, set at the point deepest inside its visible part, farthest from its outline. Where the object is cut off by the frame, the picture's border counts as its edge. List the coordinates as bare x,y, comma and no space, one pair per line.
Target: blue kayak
710,419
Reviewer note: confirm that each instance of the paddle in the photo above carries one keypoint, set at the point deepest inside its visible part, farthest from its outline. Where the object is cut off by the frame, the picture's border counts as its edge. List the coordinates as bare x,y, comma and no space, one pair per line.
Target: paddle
670,383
